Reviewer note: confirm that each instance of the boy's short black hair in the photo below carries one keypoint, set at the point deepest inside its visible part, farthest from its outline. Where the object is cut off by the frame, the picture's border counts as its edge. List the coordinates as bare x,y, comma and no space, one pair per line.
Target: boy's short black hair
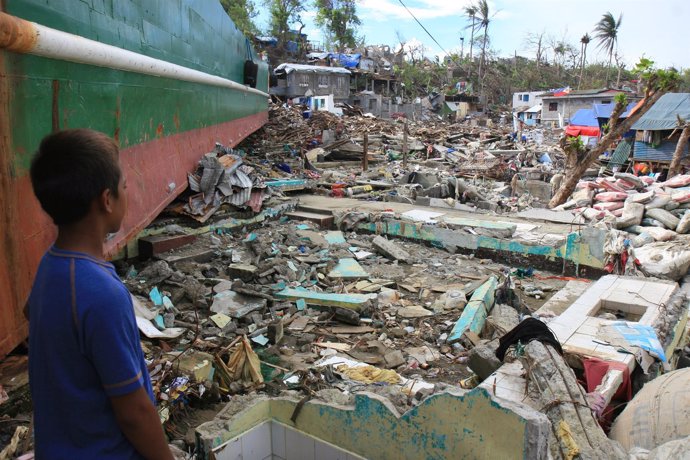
72,168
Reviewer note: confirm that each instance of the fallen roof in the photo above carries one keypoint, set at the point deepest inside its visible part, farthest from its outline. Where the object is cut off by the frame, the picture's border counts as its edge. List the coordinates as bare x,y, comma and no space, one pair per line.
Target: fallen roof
665,112
289,68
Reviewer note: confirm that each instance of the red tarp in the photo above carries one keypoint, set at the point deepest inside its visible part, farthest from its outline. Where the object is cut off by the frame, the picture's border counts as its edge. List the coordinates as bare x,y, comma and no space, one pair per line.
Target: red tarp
575,131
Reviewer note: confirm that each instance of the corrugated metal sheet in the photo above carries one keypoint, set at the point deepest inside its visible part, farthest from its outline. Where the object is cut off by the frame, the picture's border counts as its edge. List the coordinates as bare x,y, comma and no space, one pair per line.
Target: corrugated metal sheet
622,153
661,152
665,112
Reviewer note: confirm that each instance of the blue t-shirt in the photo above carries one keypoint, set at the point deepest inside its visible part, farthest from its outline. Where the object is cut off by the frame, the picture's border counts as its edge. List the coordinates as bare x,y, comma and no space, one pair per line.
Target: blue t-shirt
83,349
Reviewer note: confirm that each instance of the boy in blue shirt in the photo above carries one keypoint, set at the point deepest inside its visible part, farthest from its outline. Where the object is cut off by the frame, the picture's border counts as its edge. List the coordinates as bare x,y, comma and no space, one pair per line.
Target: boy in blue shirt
90,386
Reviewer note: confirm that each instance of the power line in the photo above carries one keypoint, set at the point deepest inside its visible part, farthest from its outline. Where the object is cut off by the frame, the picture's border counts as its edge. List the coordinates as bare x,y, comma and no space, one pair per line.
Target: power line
427,32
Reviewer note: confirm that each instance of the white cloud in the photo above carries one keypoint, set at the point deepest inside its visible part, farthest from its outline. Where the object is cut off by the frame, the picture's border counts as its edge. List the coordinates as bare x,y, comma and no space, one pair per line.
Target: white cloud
382,10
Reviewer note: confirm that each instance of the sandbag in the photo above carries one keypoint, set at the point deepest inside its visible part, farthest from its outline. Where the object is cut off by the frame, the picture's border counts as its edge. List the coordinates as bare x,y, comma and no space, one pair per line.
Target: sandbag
660,234
681,180
657,414
643,198
610,186
647,180
681,197
630,178
642,239
649,222
671,205
659,201
611,196
593,214
684,223
625,185
632,214
669,220
617,212
586,185
610,206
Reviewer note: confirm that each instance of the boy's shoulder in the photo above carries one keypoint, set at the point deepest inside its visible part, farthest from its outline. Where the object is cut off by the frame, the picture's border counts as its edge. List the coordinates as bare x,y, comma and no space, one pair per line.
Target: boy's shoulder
92,281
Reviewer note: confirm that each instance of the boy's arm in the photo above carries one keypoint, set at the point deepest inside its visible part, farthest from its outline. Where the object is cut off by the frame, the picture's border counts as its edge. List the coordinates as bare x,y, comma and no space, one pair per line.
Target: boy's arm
139,421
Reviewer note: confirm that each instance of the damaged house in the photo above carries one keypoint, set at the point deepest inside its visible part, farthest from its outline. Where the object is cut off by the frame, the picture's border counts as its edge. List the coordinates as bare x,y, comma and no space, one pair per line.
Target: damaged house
559,106
321,86
657,132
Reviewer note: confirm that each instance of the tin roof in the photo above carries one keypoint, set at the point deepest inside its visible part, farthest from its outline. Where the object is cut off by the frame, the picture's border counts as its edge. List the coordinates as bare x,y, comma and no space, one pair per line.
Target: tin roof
665,112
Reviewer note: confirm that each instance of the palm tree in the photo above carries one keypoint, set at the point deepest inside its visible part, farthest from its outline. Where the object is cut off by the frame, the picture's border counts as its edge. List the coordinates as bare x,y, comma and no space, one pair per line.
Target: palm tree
484,20
606,31
471,13
584,41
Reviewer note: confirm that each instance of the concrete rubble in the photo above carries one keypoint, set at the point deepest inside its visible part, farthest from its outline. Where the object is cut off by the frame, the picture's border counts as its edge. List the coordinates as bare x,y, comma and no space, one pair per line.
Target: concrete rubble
383,272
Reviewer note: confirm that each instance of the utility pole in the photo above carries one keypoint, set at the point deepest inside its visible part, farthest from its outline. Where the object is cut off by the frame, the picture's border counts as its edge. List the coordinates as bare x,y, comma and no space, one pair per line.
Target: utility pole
365,153
405,144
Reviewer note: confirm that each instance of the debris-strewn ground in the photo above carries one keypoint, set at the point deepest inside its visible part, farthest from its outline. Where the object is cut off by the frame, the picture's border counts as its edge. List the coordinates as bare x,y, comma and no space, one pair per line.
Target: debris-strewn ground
262,296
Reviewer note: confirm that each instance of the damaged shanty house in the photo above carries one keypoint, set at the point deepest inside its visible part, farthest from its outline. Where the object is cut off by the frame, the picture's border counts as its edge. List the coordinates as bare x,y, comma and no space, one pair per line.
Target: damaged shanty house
319,87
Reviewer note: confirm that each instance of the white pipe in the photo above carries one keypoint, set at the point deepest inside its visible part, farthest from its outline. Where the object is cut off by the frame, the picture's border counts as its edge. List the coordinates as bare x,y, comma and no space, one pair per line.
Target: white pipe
56,44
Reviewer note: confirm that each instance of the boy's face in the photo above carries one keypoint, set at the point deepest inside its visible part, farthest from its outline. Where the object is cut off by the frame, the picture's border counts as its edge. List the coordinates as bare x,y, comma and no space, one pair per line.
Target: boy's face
118,206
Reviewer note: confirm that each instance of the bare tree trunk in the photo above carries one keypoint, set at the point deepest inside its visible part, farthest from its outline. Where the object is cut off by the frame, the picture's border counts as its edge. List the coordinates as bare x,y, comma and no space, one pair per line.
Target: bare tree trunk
573,176
582,70
481,61
674,169
608,69
469,75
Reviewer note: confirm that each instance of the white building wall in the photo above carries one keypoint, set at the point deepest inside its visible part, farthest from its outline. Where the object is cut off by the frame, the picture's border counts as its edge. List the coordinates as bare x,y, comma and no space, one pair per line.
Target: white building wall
526,98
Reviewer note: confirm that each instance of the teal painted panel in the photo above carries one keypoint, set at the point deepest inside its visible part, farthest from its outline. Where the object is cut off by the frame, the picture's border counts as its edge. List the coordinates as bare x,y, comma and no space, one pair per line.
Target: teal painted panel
348,268
477,309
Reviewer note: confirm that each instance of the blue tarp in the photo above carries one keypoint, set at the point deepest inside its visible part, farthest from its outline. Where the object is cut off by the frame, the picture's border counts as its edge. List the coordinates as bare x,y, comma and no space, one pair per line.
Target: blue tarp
605,110
584,117
349,61
664,114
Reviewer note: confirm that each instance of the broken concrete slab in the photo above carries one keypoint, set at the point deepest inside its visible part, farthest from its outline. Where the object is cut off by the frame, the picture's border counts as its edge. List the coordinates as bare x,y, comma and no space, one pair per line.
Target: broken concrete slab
236,305
195,254
483,361
348,268
549,215
245,272
414,311
575,428
334,237
391,249
475,312
503,318
561,300
578,327
351,301
394,359
583,248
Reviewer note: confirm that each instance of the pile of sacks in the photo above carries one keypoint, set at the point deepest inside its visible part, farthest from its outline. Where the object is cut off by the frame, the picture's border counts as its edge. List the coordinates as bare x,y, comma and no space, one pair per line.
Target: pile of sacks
656,211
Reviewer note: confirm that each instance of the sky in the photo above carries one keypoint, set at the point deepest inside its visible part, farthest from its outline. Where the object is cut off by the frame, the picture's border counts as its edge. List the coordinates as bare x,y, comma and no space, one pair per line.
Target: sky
657,29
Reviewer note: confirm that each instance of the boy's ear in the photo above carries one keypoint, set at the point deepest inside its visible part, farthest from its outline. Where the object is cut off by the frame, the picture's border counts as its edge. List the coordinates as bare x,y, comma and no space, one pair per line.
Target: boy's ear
105,201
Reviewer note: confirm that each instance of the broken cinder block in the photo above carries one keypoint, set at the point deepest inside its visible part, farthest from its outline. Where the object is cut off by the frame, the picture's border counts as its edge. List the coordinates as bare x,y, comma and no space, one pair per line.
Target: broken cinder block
391,250
242,271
